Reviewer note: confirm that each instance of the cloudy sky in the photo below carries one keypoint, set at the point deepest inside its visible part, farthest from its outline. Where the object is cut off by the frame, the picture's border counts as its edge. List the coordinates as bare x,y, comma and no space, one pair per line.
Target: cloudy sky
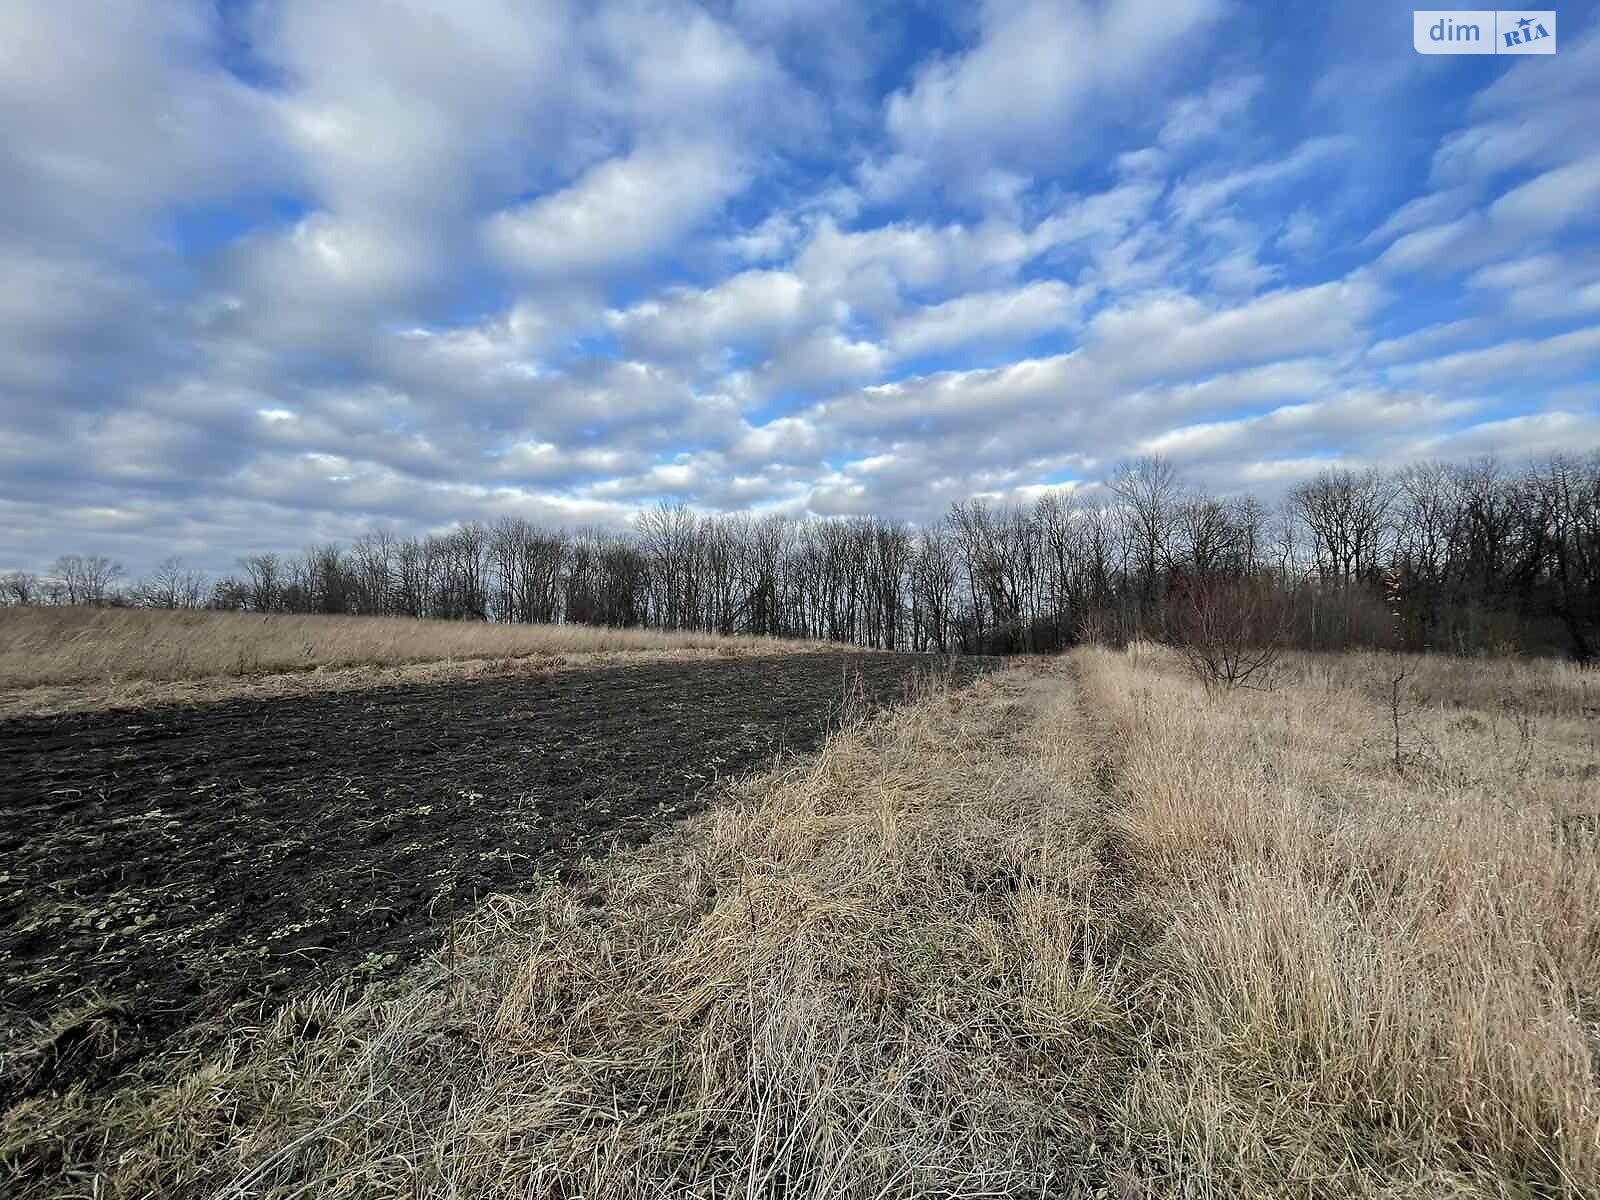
278,271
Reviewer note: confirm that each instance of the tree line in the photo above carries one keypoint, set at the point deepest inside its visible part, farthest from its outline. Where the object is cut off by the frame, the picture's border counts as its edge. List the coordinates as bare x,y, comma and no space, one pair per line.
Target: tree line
1448,556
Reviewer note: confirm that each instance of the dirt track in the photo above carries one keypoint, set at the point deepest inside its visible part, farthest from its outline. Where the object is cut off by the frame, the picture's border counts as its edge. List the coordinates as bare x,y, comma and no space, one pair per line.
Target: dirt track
184,861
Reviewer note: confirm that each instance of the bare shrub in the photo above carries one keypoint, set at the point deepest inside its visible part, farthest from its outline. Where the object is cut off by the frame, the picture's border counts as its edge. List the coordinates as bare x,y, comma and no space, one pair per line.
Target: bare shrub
1230,631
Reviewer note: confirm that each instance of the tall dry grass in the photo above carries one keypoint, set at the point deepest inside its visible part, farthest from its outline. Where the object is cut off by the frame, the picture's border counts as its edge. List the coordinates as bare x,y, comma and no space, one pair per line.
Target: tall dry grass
1551,686
1372,978
44,646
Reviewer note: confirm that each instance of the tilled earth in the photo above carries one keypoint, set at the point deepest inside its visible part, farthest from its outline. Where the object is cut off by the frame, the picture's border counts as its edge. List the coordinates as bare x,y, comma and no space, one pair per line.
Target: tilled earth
164,865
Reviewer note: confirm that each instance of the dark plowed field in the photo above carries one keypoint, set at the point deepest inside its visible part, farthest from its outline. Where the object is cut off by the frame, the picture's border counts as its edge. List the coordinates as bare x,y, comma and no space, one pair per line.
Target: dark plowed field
188,862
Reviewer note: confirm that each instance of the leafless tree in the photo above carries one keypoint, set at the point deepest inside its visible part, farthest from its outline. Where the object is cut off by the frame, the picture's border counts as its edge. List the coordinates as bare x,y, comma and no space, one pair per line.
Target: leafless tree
1349,516
1151,493
1563,505
372,570
20,587
933,584
86,578
172,585
1464,557
263,582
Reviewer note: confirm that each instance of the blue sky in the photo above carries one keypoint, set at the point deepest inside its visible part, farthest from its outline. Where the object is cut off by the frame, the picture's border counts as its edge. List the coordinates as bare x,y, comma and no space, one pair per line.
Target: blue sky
278,271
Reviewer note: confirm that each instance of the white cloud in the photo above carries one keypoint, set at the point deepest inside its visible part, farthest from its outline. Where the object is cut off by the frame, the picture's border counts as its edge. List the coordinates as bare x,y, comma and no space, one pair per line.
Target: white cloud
1107,214
1240,272
1451,246
1548,202
1434,208
1428,339
773,238
378,107
785,440
1212,114
1511,439
1006,317
546,462
749,312
1562,355
1193,200
1356,419
1178,333
620,214
1526,121
278,270
822,359
1537,114
1300,233
115,116
1542,286
1033,72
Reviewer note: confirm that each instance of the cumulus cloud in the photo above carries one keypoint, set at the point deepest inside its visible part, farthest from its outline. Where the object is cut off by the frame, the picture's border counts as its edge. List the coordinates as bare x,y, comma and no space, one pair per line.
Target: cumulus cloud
1036,69
1544,205
749,312
280,270
1523,168
1549,201
1544,286
1008,317
114,117
1550,358
620,214
1179,333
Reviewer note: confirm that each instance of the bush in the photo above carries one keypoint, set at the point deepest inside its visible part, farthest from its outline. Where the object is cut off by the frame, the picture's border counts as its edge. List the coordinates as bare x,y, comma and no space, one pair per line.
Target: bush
1229,630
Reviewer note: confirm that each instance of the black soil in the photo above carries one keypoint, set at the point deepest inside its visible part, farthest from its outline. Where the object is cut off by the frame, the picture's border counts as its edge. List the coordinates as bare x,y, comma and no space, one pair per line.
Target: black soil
167,865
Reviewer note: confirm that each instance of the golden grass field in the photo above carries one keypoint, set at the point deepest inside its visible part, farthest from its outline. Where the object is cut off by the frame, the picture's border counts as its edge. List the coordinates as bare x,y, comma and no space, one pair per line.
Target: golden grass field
57,659
1077,929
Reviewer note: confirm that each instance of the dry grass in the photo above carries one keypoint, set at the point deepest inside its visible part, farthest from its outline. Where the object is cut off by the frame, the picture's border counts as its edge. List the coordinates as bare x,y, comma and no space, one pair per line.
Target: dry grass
138,693
115,655
1369,981
873,973
1556,687
1076,930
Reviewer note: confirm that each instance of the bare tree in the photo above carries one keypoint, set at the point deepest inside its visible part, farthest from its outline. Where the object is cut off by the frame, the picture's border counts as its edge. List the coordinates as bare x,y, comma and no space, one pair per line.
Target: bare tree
1150,495
20,587
264,582
372,571
172,585
1348,514
1564,501
668,536
86,578
1468,557
463,579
